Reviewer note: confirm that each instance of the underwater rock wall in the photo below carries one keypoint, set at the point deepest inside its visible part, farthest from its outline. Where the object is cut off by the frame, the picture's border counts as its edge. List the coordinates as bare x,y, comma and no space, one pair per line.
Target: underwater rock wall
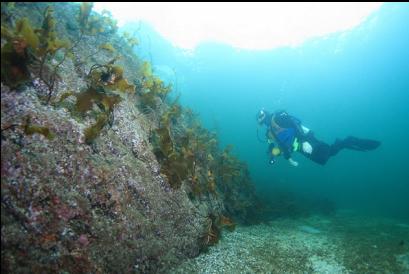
82,189
64,203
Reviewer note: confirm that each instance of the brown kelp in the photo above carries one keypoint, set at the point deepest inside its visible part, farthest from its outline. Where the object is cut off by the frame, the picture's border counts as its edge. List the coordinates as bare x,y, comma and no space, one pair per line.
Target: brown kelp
151,89
189,154
42,52
30,50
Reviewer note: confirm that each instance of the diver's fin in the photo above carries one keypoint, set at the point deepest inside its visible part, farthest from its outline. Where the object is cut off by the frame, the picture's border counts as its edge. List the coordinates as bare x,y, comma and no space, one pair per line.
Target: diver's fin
360,144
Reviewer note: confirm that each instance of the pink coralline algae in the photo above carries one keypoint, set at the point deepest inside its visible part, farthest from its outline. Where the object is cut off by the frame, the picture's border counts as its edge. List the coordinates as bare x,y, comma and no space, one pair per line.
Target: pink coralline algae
83,240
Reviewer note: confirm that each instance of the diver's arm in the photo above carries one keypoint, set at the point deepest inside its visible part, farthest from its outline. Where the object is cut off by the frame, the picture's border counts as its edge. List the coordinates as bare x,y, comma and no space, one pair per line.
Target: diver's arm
270,136
287,155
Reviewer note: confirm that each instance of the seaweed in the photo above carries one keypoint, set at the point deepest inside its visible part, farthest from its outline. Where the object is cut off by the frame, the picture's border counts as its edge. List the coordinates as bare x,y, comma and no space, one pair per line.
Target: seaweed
227,223
211,183
27,48
151,88
14,63
17,53
103,83
229,167
30,129
49,45
92,132
105,102
176,159
212,232
185,152
89,97
100,97
94,24
172,164
30,50
108,47
208,171
110,76
83,16
130,40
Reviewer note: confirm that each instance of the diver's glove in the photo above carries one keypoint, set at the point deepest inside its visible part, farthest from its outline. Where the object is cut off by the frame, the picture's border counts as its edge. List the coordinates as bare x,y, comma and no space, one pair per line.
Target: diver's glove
306,147
292,162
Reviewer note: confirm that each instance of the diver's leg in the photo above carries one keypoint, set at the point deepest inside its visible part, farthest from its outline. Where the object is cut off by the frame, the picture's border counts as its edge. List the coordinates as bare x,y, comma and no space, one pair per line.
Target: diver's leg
361,144
321,151
355,144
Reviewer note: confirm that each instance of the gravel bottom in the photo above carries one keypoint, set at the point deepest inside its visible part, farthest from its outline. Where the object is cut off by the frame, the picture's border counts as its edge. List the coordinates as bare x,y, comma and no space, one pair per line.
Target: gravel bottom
308,245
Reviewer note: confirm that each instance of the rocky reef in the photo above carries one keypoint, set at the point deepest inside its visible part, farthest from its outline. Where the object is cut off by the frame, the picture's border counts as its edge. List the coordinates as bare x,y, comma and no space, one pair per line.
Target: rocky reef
101,171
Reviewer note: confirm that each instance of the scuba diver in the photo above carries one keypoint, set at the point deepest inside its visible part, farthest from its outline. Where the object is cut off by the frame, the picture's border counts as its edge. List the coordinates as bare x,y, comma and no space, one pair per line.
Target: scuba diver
285,134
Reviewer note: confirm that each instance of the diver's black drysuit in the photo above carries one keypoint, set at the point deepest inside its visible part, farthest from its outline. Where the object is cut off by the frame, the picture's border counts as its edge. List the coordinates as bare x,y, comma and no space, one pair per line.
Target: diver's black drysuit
321,151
